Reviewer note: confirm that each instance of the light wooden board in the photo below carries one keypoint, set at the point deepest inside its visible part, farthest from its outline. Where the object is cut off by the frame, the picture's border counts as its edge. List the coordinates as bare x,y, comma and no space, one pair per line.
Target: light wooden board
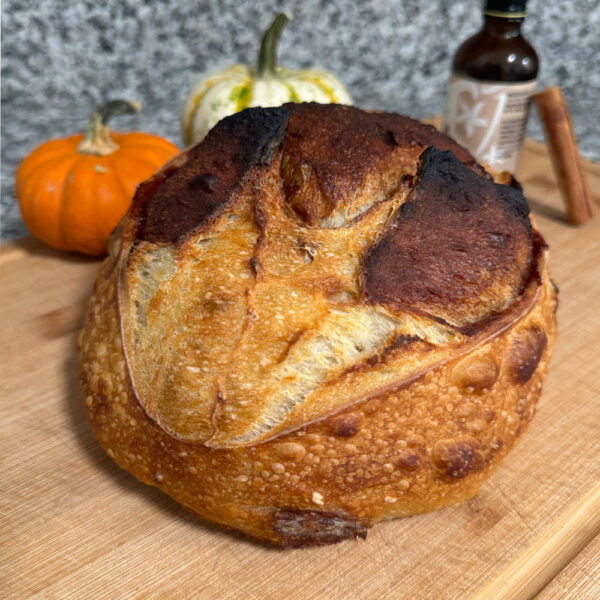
73,525
579,580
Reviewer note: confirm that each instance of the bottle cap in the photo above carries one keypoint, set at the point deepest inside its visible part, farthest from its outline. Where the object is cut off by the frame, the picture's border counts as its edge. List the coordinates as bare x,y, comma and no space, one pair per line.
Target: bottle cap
508,9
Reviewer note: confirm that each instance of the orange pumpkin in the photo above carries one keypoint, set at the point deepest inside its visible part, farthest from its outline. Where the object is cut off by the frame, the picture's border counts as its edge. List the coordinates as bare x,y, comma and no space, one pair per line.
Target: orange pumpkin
74,191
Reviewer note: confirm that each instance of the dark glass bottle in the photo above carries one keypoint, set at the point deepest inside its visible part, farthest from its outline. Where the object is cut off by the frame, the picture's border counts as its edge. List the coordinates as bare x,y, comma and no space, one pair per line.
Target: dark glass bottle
493,77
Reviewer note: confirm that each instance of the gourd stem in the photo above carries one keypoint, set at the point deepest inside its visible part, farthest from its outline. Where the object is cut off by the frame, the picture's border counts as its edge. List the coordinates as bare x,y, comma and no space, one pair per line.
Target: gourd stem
267,57
97,138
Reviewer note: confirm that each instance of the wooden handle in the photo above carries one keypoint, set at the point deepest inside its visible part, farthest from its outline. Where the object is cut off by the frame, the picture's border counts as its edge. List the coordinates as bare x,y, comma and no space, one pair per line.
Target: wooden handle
562,146
531,571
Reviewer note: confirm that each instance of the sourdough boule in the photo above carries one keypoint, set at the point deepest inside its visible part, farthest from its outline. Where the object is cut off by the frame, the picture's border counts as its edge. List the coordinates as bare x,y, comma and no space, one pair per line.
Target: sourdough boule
316,319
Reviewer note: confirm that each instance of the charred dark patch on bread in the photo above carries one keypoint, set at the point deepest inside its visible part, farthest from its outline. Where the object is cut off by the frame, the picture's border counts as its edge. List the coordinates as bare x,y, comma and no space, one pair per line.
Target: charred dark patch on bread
460,245
328,154
202,187
299,528
134,225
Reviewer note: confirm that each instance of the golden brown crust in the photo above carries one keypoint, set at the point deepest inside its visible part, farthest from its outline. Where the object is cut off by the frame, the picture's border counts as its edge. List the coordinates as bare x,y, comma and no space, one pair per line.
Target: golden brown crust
445,406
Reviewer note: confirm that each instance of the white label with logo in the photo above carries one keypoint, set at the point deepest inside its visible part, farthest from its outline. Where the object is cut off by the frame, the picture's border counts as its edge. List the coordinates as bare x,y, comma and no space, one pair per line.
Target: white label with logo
489,119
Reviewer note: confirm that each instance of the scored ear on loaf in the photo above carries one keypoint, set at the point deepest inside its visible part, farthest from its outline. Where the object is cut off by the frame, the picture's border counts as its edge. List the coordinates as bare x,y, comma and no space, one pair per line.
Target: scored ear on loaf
318,317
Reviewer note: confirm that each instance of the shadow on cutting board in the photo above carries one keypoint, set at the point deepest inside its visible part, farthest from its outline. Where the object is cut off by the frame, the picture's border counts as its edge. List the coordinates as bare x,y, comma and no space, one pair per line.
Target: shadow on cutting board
34,247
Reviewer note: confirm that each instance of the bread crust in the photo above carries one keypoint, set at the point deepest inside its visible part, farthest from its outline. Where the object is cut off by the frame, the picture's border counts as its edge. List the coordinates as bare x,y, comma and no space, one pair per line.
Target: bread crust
329,470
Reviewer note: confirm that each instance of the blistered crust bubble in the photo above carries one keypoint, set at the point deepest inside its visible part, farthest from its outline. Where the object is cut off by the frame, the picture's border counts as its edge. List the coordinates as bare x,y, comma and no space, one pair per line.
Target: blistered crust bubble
525,353
457,457
477,372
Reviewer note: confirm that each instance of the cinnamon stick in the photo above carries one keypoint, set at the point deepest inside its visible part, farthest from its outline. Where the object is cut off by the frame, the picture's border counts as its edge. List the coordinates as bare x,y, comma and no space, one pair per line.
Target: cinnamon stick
566,162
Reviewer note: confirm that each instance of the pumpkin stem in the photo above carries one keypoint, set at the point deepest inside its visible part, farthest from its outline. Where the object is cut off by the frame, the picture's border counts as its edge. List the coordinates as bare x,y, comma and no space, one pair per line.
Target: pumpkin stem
267,57
98,139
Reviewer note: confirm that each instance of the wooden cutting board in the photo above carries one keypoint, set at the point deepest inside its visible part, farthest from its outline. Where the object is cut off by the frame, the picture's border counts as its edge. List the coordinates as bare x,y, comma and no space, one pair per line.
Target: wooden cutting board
73,525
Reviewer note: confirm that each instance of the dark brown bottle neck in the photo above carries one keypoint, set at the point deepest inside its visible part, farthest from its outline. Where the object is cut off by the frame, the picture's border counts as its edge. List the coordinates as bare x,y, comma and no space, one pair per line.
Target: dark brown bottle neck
501,27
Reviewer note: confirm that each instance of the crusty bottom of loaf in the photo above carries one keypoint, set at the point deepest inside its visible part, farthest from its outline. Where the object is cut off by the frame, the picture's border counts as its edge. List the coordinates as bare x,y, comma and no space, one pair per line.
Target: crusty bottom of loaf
425,446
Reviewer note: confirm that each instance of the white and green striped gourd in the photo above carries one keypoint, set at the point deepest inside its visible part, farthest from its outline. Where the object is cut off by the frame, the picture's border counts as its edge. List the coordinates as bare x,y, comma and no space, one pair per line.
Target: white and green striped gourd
242,86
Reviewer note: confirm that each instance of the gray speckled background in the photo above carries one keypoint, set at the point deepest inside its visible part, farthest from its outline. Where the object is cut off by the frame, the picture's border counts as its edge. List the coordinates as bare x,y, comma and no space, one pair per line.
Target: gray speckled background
62,57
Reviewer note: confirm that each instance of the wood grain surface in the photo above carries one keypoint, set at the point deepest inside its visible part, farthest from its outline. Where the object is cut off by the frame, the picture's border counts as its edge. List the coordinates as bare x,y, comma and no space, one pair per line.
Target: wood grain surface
73,525
579,580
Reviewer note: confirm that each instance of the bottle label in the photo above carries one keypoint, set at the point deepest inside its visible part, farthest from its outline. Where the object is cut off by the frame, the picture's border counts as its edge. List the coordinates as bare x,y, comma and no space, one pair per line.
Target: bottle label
489,119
